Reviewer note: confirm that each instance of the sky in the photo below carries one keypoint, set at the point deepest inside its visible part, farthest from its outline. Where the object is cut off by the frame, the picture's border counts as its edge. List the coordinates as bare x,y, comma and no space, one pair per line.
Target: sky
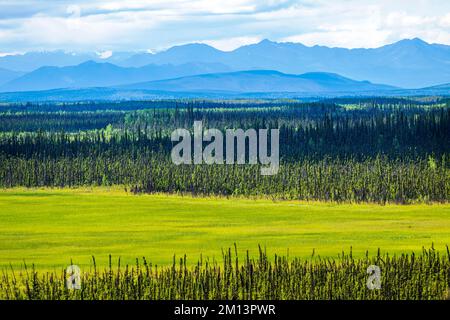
107,26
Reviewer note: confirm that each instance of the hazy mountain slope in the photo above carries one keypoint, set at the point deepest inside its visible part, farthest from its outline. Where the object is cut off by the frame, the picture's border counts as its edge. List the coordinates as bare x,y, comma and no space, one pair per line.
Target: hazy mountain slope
114,94
260,81
33,60
194,52
92,74
407,63
8,75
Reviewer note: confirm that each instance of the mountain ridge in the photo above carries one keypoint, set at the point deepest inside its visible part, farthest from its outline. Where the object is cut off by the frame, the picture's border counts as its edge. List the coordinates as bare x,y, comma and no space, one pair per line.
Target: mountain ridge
104,74
8,75
409,63
121,94
259,81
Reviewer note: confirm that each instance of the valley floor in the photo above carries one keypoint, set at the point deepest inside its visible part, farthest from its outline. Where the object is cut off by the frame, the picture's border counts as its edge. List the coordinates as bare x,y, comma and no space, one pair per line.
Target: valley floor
51,227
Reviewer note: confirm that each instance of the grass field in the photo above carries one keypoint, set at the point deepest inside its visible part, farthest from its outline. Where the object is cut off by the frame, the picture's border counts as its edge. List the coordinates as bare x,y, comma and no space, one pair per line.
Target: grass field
49,227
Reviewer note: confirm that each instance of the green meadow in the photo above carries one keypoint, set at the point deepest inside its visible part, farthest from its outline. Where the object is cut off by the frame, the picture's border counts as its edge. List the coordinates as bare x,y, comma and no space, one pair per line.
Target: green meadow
52,227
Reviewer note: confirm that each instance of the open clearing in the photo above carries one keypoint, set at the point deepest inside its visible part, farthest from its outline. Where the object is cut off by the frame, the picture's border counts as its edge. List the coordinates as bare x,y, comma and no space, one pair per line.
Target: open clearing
51,227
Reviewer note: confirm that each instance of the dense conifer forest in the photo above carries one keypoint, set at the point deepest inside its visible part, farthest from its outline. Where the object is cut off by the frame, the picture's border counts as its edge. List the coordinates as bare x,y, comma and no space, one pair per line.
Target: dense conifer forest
376,150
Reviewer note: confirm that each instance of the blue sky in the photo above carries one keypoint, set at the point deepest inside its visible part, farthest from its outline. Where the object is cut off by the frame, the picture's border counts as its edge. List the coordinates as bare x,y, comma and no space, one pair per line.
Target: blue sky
113,25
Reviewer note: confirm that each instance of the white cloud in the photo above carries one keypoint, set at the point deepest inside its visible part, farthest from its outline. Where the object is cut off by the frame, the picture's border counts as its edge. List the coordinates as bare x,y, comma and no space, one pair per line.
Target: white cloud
105,54
372,26
445,21
229,44
104,25
4,54
342,38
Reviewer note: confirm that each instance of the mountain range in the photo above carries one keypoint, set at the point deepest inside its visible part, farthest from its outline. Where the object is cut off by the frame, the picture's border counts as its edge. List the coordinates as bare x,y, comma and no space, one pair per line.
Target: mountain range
410,63
260,81
262,67
121,94
95,74
8,75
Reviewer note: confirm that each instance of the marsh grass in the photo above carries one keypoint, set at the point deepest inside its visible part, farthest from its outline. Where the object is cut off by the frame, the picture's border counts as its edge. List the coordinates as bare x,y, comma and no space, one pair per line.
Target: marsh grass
407,276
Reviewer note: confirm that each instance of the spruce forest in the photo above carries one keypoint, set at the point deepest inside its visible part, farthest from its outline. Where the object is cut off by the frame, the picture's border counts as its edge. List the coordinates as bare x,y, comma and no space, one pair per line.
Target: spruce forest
382,150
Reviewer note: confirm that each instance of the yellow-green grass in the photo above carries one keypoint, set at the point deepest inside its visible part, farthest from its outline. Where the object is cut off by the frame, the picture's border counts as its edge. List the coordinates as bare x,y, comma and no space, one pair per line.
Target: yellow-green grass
51,227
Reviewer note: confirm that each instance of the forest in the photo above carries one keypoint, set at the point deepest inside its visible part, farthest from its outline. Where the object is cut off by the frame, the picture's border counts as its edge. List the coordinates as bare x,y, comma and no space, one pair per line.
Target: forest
345,150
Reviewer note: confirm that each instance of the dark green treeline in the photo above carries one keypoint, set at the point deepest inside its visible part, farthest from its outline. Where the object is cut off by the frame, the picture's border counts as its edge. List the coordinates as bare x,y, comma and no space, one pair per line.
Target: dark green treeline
381,151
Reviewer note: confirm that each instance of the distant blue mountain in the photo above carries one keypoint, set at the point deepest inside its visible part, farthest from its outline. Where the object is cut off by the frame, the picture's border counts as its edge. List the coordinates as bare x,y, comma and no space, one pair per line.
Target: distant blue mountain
93,74
33,60
407,63
195,52
8,75
257,81
115,94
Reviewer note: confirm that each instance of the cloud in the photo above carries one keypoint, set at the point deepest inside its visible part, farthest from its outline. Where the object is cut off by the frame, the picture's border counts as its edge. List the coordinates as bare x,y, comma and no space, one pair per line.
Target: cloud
229,44
105,54
106,25
369,24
